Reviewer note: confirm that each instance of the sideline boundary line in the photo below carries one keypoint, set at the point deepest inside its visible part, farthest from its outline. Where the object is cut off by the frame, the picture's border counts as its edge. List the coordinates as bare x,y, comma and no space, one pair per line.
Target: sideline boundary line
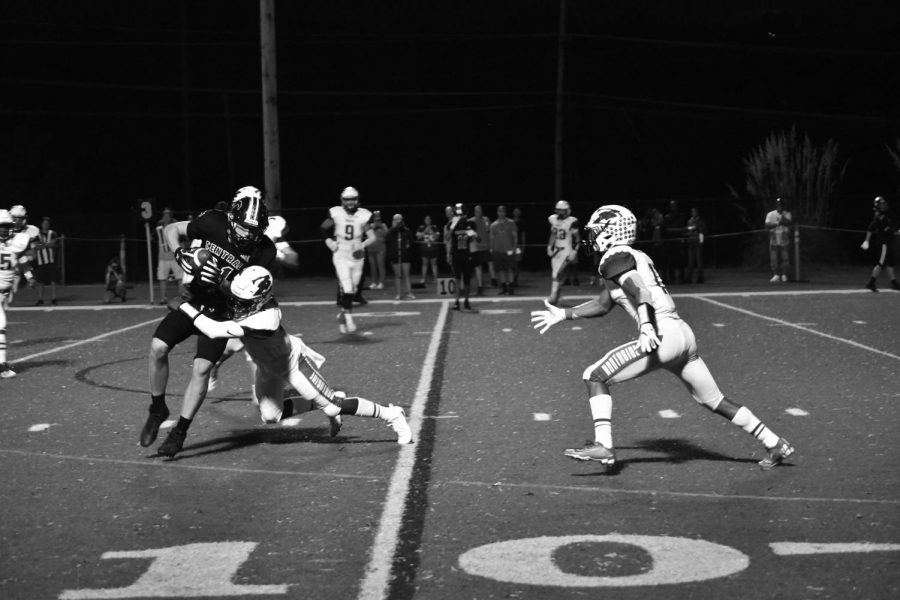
800,327
378,571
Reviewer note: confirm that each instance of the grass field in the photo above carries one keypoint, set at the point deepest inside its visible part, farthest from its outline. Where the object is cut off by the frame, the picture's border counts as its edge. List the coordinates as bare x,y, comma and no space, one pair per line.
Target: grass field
483,504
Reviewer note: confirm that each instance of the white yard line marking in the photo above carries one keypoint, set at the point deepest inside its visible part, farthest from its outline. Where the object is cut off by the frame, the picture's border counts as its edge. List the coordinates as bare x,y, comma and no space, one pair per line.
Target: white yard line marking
377,579
797,326
82,342
669,414
800,548
797,412
541,417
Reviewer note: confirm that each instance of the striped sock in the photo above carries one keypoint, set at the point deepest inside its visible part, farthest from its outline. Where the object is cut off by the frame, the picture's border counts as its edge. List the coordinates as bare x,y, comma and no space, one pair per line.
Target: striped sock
747,421
601,411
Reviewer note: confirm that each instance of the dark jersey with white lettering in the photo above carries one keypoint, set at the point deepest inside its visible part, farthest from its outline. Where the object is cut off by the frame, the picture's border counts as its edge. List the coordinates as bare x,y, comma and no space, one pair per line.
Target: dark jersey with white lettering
211,231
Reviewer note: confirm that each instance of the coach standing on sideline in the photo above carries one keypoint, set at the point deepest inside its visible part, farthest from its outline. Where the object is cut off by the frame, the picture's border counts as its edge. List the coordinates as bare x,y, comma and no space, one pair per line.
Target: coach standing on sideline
46,269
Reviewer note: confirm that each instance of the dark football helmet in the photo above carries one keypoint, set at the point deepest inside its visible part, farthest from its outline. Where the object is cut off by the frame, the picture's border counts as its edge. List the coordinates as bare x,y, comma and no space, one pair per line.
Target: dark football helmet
248,218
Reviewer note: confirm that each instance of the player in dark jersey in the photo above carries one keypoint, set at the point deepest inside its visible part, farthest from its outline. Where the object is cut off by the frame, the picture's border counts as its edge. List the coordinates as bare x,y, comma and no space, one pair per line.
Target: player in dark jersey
235,239
880,237
459,234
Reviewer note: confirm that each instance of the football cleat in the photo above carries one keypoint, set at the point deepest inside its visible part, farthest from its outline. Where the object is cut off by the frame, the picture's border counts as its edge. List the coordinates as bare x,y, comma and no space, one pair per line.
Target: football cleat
594,451
775,278
396,418
151,426
342,327
349,324
871,286
776,455
335,423
6,371
172,444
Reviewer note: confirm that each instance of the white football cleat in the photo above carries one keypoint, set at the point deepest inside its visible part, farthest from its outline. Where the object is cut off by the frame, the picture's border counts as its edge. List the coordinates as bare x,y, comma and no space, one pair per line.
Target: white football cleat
396,418
351,326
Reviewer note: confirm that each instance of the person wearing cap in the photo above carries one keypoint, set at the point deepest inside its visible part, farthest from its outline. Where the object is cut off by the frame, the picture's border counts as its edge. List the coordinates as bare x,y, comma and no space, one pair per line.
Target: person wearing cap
880,238
459,235
399,253
778,222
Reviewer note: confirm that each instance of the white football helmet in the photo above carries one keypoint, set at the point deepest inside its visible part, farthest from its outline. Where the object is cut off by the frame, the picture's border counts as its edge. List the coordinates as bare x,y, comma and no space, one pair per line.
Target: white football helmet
251,288
350,199
609,226
19,216
563,209
6,225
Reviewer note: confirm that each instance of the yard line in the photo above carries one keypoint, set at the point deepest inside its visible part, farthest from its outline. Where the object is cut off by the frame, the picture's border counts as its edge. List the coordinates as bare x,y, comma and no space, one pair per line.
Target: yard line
378,572
87,341
796,326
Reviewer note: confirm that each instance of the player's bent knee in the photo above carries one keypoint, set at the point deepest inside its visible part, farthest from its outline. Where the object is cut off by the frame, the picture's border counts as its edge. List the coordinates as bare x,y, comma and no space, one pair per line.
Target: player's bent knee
158,349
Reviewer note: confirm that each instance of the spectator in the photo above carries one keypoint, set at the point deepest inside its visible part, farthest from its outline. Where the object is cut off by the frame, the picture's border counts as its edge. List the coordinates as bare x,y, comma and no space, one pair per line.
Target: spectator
429,239
399,252
674,224
503,240
696,234
46,268
448,217
115,281
778,222
481,254
459,231
166,265
880,237
376,252
521,244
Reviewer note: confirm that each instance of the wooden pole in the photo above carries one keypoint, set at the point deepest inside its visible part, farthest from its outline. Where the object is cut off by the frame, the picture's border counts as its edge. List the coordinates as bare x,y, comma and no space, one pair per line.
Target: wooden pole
270,105
560,105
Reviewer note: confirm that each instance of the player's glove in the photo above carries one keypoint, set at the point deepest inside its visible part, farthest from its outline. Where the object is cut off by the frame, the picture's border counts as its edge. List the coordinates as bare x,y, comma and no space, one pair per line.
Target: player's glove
648,340
545,319
865,245
358,252
184,258
210,272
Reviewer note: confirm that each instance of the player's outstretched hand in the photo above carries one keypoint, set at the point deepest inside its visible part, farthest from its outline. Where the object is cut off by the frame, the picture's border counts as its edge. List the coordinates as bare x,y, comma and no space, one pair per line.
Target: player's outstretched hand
545,319
865,245
648,340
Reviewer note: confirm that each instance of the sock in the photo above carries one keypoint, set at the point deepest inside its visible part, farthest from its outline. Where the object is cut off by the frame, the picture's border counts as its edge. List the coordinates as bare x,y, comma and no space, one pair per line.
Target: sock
360,407
747,421
601,410
287,409
158,403
2,346
183,424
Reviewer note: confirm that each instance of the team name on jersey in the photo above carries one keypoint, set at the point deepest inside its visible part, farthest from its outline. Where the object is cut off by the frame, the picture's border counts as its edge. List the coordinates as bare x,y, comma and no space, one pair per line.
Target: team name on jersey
237,263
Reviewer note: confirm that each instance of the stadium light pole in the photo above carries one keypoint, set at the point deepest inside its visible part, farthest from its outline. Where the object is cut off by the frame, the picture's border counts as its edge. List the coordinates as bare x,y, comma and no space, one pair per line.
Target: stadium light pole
270,106
558,137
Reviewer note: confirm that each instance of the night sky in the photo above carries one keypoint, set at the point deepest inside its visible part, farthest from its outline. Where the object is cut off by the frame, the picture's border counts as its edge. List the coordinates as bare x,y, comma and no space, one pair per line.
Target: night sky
104,102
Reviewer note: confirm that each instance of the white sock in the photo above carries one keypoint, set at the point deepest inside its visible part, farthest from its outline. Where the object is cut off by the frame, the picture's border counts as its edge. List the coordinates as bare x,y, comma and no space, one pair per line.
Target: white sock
601,411
2,346
746,420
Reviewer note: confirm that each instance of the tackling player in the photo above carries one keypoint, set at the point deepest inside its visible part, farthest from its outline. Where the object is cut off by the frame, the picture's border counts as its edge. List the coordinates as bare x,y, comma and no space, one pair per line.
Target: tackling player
280,359
351,233
231,240
562,247
12,246
630,280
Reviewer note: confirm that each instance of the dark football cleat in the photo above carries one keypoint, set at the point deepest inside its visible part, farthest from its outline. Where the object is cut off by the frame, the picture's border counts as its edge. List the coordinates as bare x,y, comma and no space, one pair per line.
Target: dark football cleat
172,444
151,427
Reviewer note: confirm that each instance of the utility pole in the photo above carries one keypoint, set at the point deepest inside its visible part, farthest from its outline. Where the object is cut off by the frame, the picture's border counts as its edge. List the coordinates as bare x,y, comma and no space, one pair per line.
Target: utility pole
270,106
558,138
185,113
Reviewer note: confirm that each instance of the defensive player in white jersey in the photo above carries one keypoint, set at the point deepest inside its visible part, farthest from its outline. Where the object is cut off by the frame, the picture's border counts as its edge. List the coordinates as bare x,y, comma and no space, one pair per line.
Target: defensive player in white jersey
21,226
282,359
629,279
562,247
12,247
350,234
284,255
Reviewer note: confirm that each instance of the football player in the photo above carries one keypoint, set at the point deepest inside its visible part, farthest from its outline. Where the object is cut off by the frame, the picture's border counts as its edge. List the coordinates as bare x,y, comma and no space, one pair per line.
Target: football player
880,234
12,246
629,279
459,235
32,233
562,247
348,232
280,359
231,240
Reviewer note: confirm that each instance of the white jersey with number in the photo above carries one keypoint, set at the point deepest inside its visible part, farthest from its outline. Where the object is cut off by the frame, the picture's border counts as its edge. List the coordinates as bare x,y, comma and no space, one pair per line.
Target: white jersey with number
10,251
562,229
349,230
621,262
271,347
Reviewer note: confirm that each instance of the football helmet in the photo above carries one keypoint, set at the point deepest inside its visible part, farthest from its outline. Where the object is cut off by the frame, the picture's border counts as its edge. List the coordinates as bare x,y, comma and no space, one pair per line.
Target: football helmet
350,199
251,288
879,202
248,218
19,216
563,209
459,209
6,225
610,225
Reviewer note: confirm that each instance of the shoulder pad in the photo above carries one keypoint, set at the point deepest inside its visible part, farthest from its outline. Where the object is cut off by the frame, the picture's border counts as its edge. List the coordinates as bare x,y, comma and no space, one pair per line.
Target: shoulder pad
617,261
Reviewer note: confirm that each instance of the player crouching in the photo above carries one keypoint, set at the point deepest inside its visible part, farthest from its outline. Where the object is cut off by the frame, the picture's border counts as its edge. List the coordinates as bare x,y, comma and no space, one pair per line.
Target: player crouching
281,359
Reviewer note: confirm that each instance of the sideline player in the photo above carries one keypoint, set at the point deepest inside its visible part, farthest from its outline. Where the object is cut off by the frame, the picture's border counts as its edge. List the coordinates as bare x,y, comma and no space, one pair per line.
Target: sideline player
562,247
460,238
234,239
12,247
880,234
281,359
166,264
630,280
32,233
351,233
